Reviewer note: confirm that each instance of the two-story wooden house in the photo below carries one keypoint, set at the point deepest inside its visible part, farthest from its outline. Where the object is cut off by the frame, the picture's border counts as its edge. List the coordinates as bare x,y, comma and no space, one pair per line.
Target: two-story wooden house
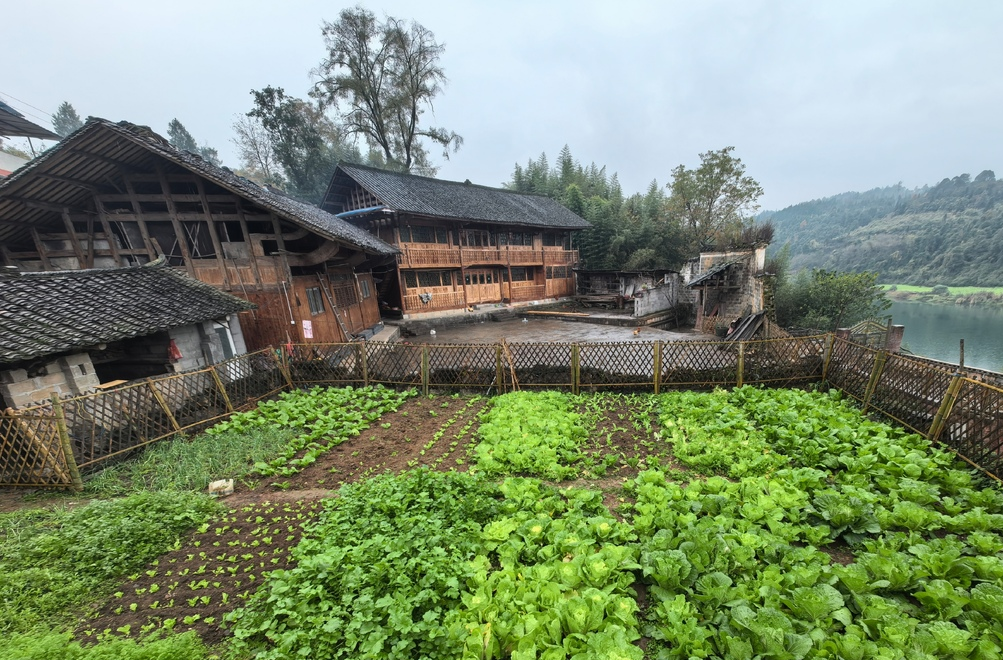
460,245
116,194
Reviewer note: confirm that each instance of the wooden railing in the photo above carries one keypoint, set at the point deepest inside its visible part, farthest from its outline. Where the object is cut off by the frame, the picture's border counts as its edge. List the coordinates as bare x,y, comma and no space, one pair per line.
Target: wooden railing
419,255
438,300
528,291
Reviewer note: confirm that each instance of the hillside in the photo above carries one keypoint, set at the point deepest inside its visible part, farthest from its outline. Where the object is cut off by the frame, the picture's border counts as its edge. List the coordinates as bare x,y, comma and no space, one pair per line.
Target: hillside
951,233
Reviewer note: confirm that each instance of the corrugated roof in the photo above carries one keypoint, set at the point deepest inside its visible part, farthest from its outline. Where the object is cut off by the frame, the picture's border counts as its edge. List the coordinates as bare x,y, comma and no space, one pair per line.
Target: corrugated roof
720,268
454,200
13,124
52,312
61,176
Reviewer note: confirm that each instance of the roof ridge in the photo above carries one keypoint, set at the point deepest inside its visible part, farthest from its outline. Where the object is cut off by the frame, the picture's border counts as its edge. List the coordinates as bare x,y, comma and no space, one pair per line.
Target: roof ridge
409,175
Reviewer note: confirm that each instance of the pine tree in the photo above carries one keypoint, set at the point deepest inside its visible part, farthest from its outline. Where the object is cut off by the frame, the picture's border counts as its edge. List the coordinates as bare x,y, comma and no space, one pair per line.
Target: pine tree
65,120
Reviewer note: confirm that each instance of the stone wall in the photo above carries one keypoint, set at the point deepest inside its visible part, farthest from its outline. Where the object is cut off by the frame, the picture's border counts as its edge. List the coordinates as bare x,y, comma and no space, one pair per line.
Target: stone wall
67,376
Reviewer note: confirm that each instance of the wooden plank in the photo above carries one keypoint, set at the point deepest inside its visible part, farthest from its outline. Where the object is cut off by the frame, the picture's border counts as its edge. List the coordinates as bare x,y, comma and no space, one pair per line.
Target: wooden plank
277,227
178,229
213,235
72,234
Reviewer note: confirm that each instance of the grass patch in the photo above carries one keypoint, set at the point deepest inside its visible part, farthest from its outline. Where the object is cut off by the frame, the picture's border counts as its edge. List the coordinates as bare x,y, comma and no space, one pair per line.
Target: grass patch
191,464
952,290
53,561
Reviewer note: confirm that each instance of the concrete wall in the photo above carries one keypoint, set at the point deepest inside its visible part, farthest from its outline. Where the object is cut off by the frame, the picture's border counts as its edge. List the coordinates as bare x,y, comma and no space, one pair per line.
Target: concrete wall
67,376
657,299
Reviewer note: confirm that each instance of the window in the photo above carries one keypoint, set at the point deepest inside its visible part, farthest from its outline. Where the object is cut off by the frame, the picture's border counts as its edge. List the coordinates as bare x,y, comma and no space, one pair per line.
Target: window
424,234
520,274
410,279
414,279
551,239
364,286
557,272
316,300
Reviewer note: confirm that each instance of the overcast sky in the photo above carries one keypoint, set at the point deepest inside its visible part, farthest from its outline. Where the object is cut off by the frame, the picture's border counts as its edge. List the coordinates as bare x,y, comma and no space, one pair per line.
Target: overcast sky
817,98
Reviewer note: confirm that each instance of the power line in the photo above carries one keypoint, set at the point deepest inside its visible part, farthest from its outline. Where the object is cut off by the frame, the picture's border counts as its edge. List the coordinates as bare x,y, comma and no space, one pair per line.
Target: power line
44,117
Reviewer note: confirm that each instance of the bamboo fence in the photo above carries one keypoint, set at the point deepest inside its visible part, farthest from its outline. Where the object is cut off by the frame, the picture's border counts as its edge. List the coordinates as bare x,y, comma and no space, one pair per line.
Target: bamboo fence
49,445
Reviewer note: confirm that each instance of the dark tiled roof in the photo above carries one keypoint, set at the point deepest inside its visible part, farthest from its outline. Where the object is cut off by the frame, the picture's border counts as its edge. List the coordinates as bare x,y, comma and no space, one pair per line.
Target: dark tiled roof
88,154
462,201
720,268
52,312
13,124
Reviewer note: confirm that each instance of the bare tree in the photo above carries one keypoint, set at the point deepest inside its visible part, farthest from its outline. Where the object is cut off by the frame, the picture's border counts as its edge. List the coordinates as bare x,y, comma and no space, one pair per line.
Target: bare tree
381,77
255,148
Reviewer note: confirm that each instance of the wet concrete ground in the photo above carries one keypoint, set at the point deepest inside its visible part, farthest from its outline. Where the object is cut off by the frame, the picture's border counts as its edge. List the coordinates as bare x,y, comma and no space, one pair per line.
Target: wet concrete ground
536,329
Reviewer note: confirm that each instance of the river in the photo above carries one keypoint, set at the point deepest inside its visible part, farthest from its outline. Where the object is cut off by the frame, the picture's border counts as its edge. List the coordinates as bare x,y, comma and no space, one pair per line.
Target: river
935,331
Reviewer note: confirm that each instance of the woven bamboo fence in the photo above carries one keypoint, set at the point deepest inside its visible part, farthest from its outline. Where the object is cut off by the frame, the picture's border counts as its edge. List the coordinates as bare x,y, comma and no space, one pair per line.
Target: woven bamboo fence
50,445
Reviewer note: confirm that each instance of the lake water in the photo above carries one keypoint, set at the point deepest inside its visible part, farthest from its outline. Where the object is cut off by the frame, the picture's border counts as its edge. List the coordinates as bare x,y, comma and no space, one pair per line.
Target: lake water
935,331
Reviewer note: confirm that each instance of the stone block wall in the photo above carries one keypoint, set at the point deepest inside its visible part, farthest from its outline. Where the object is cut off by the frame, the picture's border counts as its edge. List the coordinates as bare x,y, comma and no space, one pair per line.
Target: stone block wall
67,376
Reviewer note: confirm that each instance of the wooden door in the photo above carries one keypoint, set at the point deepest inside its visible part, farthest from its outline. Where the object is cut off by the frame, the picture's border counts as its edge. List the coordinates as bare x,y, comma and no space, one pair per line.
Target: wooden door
483,285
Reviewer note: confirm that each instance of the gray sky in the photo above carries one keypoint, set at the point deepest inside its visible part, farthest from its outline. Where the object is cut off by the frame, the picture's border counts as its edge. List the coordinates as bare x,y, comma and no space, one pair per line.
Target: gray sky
816,97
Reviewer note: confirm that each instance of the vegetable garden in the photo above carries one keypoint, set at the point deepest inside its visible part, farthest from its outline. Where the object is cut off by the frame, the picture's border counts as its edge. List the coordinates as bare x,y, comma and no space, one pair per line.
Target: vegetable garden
369,522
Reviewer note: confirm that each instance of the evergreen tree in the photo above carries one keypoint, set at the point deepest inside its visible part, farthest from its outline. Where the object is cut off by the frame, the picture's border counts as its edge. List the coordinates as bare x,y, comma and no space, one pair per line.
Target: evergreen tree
65,120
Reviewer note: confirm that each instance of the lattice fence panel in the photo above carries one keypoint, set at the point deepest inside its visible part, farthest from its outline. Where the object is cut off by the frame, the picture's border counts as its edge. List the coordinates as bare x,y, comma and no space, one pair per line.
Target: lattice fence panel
850,367
910,392
541,366
106,424
30,451
193,399
628,365
394,364
463,366
252,377
788,362
699,364
975,426
326,364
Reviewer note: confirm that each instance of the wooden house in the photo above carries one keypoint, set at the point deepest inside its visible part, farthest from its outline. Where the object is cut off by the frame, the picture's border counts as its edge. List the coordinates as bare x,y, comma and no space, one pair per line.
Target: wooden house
459,245
67,332
117,195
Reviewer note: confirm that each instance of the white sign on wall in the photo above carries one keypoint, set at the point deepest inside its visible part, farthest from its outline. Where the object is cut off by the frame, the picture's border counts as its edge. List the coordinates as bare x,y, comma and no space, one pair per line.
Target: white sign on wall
307,329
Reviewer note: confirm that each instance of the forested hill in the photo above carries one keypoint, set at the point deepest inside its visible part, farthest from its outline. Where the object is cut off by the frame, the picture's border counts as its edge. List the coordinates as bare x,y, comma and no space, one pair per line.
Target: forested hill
951,233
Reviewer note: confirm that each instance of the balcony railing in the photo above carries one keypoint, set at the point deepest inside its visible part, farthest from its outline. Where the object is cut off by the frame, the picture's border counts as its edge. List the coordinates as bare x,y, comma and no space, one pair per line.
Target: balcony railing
420,255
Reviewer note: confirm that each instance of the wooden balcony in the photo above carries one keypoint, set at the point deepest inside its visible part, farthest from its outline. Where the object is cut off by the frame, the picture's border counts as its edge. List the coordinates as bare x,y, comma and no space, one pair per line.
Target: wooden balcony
441,298
421,255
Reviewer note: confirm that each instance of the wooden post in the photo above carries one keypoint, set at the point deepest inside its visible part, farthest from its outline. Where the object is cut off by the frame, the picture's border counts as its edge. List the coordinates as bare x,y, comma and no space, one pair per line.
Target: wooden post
74,241
946,405
163,404
576,374
658,366
961,361
76,483
424,369
363,360
217,246
179,231
830,342
40,247
250,248
872,384
499,373
137,209
222,390
284,367
741,363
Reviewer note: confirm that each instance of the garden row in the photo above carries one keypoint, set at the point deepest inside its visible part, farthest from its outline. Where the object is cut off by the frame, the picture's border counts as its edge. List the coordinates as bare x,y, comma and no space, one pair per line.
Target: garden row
744,523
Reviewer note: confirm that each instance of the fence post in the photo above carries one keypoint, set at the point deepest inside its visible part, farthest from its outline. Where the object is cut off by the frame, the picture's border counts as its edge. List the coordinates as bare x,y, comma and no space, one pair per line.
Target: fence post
76,483
872,384
499,376
424,369
163,404
741,363
575,369
946,406
658,365
284,365
827,355
222,390
363,360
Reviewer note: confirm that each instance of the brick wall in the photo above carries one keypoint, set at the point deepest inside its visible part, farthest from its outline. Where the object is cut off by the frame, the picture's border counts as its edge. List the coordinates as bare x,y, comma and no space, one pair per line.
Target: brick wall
67,376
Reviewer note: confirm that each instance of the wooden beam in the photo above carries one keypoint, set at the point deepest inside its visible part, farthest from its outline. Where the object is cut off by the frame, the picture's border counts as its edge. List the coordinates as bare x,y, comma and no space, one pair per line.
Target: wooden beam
320,255
77,249
90,243
123,167
73,182
250,247
41,249
216,244
109,235
37,204
277,228
178,229
138,210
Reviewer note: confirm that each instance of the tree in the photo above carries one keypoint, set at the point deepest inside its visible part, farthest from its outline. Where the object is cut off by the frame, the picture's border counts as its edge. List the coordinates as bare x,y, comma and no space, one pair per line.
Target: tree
65,120
182,140
714,200
255,148
303,141
826,300
381,77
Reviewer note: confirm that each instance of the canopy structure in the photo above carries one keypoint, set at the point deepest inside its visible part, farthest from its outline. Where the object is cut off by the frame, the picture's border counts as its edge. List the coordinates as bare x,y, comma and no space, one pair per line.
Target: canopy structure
13,124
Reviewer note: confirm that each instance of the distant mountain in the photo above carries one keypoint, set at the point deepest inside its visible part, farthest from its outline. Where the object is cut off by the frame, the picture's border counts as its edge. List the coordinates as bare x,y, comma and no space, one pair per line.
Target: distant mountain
951,233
